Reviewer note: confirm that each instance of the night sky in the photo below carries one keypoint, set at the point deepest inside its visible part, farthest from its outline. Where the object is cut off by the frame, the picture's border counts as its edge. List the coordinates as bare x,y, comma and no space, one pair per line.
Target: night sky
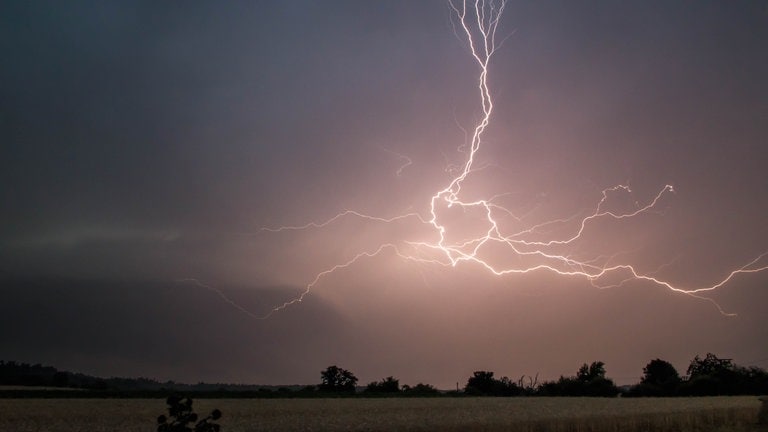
143,144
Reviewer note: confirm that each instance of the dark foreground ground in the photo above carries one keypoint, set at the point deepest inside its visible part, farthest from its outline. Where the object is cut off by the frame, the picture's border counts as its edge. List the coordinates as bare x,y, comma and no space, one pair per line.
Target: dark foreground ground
396,414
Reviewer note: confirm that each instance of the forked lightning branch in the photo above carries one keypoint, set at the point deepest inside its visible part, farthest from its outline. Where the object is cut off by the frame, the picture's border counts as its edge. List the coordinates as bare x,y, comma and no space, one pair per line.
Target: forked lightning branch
477,22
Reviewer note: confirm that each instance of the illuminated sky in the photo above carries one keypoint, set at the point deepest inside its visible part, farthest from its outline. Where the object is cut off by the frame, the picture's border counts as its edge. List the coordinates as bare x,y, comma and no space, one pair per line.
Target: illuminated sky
144,144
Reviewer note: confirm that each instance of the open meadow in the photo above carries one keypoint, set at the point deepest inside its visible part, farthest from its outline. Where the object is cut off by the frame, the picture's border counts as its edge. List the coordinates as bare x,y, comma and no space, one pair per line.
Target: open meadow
394,414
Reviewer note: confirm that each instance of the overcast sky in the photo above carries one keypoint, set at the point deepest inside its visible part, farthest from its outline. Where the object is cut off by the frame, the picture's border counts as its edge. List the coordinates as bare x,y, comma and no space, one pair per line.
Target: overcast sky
145,143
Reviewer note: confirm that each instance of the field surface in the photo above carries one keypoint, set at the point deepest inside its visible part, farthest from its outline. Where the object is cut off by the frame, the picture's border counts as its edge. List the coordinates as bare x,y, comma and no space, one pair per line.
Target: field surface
396,414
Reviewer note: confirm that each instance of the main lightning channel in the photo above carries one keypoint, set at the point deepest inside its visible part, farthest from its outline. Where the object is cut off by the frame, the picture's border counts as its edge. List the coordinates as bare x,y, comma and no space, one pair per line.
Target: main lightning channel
478,22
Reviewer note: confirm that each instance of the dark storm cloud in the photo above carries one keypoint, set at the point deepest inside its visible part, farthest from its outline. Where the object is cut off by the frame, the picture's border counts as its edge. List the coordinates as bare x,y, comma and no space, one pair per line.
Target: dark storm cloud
162,329
135,117
101,116
118,123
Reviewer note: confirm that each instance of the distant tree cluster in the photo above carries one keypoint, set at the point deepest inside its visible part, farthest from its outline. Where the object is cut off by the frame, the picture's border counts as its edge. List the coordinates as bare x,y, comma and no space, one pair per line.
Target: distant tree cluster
707,376
339,381
590,380
388,385
482,383
14,373
23,374
420,389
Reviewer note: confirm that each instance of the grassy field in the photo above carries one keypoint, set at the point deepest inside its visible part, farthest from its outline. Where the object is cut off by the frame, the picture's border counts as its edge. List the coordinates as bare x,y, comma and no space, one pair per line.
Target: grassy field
397,414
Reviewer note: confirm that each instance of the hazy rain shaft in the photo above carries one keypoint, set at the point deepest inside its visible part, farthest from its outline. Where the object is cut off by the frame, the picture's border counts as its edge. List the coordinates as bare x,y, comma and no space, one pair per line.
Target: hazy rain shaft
145,145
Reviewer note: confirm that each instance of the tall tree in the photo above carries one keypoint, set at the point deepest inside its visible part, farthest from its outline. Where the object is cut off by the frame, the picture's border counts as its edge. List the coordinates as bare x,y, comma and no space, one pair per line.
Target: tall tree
710,365
337,380
591,372
660,373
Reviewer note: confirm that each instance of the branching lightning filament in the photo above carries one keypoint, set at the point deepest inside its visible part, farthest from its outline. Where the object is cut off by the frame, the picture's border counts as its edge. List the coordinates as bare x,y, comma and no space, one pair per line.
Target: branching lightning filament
477,21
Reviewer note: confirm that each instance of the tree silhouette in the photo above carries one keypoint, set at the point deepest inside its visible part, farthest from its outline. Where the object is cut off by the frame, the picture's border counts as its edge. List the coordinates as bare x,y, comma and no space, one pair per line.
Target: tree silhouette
483,383
660,373
337,380
711,376
591,372
590,380
387,385
660,378
420,389
710,365
180,411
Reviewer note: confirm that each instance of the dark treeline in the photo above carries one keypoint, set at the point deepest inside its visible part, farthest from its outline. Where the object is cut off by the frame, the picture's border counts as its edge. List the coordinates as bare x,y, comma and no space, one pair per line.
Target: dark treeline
35,375
23,374
705,376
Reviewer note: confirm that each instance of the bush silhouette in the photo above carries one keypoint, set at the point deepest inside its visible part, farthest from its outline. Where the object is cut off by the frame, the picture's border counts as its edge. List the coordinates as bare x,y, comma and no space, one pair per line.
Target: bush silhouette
180,411
482,383
590,380
387,385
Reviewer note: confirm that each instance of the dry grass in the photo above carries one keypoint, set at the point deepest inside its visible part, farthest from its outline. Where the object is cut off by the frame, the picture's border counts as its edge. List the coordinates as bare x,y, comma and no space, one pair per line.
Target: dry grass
399,414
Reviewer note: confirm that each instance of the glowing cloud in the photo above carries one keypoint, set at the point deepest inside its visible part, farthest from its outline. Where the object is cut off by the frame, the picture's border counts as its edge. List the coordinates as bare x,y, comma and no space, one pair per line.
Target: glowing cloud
467,231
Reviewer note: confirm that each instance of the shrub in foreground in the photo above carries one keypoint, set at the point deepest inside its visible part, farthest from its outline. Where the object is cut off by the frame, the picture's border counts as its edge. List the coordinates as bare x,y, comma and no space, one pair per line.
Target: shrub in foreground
180,411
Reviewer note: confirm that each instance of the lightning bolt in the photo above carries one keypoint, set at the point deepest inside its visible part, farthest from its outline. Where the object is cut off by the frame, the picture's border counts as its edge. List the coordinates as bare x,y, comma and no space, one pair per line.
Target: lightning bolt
478,21
221,294
406,161
341,215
